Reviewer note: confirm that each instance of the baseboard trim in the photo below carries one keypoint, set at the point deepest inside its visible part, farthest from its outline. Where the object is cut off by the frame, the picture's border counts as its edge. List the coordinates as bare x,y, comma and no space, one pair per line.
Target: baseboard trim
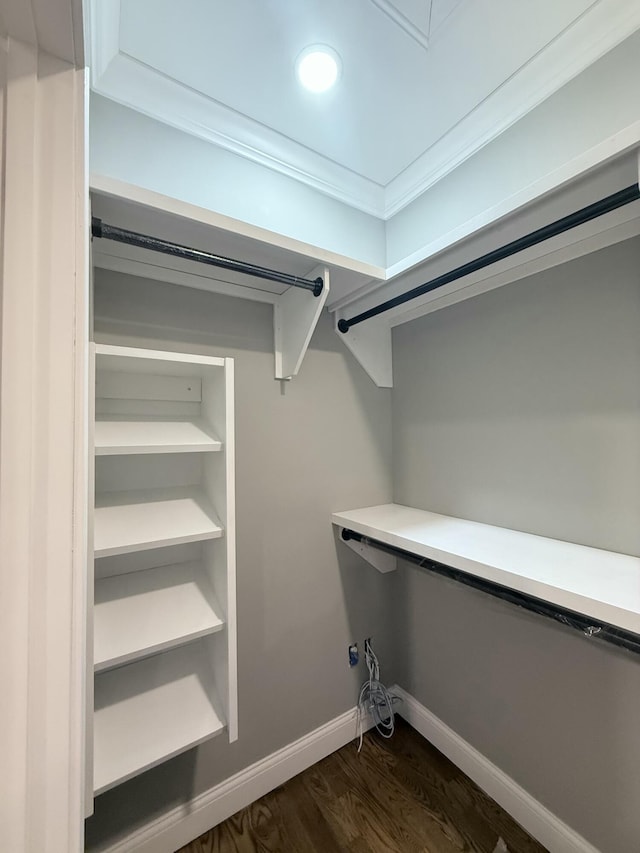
179,826
182,824
525,809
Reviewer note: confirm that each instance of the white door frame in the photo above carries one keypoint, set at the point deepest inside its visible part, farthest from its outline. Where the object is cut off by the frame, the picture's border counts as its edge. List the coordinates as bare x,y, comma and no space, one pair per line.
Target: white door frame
43,405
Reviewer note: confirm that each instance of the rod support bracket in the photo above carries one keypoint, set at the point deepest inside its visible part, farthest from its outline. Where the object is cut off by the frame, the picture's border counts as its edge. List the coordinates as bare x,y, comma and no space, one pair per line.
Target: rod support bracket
384,563
96,227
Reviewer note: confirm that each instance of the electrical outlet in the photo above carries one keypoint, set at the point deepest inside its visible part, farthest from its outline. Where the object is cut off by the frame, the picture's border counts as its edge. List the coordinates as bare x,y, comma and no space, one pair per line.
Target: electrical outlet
354,654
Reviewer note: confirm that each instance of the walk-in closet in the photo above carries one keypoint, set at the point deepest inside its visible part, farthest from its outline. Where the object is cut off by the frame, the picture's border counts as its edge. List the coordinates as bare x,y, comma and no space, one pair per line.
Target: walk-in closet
319,426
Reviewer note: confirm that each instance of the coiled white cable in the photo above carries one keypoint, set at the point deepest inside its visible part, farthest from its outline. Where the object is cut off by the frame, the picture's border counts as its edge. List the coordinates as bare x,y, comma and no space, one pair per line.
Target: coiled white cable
375,699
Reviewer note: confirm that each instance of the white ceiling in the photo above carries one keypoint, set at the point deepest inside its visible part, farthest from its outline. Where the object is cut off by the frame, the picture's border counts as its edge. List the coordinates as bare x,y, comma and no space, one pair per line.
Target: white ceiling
425,83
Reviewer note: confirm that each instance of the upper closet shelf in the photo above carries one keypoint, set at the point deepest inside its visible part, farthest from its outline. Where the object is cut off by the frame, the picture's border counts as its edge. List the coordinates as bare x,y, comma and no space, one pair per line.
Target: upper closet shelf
598,210
122,435
134,360
170,221
602,585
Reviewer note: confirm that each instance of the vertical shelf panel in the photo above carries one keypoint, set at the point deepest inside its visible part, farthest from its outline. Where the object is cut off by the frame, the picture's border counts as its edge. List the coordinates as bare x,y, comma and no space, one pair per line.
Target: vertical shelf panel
218,407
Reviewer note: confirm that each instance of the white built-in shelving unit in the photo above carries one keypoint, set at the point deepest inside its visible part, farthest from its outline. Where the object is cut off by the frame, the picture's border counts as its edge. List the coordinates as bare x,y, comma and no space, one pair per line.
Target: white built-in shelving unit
164,624
602,585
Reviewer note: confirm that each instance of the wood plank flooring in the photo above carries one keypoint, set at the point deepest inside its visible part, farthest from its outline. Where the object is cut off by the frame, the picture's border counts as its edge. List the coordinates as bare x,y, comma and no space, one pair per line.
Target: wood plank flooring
396,796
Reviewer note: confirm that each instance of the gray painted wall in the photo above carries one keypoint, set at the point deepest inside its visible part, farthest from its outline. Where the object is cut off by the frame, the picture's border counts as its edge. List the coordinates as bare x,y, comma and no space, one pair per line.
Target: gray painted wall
304,449
521,408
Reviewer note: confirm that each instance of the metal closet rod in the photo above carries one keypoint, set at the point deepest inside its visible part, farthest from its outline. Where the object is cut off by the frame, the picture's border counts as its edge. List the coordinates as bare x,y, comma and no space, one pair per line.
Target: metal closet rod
578,621
132,238
579,217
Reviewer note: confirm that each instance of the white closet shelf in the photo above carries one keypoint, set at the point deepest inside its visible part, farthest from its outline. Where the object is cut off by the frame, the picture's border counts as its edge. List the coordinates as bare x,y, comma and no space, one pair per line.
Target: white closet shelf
121,435
135,521
136,360
141,613
150,711
600,584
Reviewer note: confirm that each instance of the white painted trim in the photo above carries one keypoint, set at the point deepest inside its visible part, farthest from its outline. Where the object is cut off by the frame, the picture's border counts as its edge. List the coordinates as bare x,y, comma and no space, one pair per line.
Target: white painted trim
104,19
539,822
141,88
180,825
115,188
616,227
581,166
374,556
42,445
412,30
125,80
370,344
18,22
54,27
600,29
230,548
295,317
183,823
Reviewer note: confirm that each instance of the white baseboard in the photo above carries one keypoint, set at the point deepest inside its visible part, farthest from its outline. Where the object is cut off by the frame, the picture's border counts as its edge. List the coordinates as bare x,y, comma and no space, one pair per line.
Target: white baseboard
182,824
179,826
539,822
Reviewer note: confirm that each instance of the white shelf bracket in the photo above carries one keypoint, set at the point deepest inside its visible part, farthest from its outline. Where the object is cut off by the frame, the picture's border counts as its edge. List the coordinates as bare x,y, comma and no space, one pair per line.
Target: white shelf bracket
295,315
370,343
378,559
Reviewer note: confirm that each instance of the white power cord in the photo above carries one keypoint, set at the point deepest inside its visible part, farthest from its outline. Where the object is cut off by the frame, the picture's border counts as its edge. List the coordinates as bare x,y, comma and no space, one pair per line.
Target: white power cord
375,699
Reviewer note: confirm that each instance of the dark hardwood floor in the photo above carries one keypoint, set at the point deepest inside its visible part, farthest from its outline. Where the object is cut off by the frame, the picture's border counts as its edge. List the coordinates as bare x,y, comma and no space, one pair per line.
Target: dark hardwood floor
396,796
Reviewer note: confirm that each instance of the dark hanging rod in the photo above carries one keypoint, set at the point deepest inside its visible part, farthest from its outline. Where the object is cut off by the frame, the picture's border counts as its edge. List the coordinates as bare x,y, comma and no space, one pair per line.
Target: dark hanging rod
132,238
578,621
585,214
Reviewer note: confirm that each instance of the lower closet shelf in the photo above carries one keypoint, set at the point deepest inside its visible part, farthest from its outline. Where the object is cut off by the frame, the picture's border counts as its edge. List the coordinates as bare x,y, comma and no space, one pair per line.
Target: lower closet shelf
136,521
152,710
145,612
602,585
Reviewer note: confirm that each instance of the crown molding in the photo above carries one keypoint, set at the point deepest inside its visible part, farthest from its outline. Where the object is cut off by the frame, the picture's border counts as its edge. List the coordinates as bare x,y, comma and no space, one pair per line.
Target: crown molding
395,15
601,28
145,90
129,82
104,17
